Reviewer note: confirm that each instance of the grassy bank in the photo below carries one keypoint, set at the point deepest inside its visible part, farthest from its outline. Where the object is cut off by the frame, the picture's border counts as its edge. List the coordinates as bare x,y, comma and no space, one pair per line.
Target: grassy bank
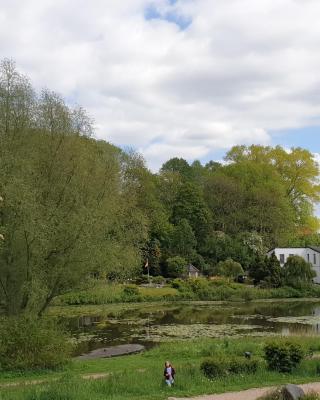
140,376
199,289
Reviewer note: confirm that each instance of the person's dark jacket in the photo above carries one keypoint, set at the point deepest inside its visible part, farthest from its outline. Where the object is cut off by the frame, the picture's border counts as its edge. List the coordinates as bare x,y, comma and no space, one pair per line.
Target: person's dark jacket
166,375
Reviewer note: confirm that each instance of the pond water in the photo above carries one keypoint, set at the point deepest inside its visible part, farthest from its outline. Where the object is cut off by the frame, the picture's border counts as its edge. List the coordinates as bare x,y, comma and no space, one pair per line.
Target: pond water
147,324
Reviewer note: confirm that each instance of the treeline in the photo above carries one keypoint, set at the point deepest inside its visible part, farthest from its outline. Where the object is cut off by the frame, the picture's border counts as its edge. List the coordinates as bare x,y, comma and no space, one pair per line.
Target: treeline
258,198
71,206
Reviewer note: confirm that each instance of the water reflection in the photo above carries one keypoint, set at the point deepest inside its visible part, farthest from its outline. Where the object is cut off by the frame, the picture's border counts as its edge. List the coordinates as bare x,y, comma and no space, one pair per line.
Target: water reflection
143,323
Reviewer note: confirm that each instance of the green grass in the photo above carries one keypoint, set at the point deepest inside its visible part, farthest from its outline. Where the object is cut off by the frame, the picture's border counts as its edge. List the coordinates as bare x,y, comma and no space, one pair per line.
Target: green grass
140,376
201,289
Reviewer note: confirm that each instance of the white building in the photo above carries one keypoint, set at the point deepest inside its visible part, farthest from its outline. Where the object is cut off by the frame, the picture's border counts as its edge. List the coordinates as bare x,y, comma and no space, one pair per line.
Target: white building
310,254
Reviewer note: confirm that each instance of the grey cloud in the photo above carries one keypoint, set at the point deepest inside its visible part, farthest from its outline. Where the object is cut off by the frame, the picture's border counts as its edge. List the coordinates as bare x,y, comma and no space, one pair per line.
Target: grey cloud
242,69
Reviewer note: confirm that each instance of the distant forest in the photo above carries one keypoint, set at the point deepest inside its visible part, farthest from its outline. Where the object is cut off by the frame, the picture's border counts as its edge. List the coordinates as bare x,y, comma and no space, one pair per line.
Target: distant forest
71,205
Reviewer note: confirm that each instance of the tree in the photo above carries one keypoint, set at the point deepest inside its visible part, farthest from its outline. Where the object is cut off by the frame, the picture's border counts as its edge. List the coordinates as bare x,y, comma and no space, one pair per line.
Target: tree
258,270
274,271
69,205
17,100
176,266
183,241
178,165
190,205
299,173
297,272
250,197
229,268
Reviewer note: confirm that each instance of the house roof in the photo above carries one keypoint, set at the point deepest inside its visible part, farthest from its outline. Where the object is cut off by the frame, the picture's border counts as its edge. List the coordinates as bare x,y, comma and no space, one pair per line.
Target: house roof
314,248
192,268
317,249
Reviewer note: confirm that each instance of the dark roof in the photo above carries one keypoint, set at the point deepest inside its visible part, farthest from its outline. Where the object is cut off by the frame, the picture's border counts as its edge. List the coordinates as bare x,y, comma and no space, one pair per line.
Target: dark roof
314,248
192,268
317,249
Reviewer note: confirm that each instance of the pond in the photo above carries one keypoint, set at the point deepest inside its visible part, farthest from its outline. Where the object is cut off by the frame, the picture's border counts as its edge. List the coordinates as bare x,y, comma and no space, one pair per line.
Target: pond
93,327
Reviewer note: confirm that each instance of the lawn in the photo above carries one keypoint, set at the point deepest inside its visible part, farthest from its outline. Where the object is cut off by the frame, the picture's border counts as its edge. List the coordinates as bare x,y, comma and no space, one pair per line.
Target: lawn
140,376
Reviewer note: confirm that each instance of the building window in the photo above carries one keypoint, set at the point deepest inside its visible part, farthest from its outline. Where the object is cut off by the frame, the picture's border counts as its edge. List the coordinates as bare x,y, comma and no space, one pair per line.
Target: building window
314,259
308,257
281,258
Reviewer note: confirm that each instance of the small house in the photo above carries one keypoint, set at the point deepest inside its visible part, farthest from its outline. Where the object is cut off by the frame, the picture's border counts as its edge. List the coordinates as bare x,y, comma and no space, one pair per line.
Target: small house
192,271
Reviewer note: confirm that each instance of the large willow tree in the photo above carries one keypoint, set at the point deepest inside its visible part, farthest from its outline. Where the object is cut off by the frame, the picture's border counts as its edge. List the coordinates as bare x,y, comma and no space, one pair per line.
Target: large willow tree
68,205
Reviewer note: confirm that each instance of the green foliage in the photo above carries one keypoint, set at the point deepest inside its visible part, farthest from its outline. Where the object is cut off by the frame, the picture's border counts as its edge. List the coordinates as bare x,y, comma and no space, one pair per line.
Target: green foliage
159,280
266,269
283,356
130,291
212,368
219,367
182,239
190,205
299,174
70,206
229,268
27,343
297,273
176,266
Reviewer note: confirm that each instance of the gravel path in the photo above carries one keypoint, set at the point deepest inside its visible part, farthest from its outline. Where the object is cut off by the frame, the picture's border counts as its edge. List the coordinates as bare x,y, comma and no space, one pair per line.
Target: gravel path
251,394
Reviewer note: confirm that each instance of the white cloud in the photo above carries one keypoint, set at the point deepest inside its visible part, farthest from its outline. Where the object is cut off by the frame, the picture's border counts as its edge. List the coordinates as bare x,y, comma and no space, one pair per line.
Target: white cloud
241,69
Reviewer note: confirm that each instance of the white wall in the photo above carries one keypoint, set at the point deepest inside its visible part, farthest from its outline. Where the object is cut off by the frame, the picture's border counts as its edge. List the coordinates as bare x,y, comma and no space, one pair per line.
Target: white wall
306,253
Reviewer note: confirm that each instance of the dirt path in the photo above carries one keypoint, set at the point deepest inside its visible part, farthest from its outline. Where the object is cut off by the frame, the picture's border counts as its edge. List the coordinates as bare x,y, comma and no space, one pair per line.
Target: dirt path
251,394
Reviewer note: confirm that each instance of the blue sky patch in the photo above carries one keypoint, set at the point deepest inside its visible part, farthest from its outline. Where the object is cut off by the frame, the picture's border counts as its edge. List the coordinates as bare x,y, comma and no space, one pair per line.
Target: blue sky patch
306,137
182,21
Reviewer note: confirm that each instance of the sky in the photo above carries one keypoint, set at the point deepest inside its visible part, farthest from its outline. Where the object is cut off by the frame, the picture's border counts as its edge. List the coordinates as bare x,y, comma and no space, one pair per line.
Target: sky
185,78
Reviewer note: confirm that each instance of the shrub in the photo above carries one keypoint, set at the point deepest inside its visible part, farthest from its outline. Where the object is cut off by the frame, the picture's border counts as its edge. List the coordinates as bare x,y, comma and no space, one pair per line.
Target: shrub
131,293
159,280
176,266
297,272
213,368
31,343
179,284
283,356
243,366
229,268
217,367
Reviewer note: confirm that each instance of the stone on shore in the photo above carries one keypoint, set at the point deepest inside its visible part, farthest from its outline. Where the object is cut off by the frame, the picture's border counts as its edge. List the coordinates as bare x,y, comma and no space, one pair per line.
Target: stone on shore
292,392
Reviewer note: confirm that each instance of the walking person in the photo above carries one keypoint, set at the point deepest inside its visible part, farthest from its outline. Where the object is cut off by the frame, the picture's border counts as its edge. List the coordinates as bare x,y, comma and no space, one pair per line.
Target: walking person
169,373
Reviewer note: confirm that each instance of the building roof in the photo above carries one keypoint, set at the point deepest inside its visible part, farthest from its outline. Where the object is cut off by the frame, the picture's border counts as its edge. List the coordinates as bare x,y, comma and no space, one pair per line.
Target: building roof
317,249
192,268
314,248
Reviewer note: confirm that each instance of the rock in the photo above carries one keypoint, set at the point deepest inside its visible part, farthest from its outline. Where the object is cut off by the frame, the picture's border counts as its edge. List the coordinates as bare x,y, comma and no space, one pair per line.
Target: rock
292,392
114,351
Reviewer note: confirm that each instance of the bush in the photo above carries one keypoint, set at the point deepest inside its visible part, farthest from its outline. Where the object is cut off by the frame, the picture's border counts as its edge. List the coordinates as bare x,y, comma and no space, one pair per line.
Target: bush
179,284
30,343
297,273
217,367
229,268
131,293
283,356
159,280
213,368
243,366
176,267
